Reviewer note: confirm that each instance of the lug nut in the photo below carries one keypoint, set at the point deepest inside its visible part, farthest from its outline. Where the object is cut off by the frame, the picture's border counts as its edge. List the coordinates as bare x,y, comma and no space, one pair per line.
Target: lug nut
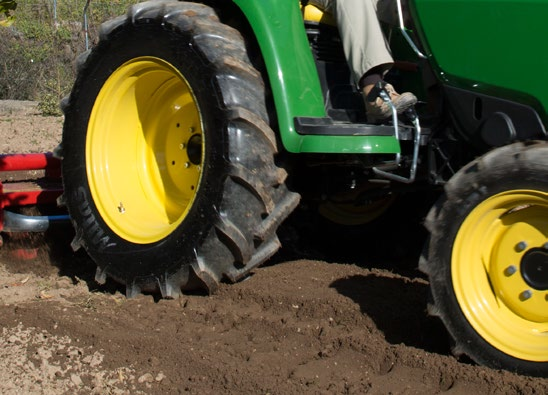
121,208
510,270
521,246
525,295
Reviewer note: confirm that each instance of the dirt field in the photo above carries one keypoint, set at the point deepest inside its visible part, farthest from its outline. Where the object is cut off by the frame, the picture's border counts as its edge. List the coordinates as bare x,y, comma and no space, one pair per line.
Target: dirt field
321,320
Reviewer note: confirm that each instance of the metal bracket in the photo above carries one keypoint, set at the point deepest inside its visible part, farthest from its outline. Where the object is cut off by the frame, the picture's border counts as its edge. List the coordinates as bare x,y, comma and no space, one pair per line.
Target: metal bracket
412,115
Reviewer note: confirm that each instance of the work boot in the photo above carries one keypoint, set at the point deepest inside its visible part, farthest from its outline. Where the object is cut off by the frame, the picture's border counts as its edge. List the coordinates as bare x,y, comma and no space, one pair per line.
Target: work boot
378,110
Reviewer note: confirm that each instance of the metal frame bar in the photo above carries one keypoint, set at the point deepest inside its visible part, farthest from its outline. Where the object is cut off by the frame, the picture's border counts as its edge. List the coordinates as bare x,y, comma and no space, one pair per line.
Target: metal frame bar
25,193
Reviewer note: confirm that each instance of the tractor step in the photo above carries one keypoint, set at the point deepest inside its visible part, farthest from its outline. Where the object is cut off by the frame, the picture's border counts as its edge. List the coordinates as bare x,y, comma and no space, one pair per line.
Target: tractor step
29,180
325,126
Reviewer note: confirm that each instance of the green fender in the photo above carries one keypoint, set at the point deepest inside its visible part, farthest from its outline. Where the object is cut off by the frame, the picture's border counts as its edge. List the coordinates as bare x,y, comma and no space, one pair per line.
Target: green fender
278,26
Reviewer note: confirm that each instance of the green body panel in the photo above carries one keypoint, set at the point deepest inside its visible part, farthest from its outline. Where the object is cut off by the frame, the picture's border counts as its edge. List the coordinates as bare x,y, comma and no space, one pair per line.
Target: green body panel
278,26
351,144
489,46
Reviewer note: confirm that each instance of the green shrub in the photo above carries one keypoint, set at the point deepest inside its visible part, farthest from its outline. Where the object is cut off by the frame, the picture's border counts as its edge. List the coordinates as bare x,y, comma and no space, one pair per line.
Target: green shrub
6,9
40,46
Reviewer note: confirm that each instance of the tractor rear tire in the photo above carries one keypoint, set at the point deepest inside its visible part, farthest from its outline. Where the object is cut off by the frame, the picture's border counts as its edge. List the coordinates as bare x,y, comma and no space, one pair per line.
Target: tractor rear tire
168,156
487,259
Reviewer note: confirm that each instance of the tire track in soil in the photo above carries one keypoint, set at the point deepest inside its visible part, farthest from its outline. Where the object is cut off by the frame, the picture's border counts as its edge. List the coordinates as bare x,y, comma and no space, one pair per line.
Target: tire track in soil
288,329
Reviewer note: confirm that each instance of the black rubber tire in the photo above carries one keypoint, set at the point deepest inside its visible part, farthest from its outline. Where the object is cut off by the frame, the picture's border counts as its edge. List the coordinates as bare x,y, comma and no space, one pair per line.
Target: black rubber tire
502,172
231,226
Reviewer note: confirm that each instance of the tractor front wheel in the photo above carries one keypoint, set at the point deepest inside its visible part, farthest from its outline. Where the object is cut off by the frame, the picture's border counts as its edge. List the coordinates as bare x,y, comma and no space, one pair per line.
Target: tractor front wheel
487,259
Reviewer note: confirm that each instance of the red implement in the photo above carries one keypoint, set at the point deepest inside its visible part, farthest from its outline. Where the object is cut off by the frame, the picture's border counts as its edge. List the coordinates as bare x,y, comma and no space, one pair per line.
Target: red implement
28,179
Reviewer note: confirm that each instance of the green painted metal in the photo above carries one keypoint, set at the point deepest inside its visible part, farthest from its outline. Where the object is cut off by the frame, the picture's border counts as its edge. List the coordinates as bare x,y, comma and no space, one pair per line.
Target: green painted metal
351,144
489,46
278,26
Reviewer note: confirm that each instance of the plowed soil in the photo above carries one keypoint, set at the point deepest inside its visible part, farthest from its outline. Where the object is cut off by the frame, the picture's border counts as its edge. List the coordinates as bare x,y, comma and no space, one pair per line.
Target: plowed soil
322,317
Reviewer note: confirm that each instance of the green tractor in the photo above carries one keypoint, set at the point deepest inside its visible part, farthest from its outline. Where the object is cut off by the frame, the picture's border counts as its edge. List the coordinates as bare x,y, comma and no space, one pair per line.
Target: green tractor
193,129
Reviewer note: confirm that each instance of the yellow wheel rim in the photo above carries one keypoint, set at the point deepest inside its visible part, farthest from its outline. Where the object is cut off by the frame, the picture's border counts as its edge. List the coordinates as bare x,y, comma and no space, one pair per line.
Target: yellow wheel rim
499,272
144,150
350,214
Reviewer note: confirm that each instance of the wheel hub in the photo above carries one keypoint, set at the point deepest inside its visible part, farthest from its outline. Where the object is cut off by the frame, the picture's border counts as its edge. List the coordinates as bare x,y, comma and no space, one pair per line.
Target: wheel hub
534,268
194,150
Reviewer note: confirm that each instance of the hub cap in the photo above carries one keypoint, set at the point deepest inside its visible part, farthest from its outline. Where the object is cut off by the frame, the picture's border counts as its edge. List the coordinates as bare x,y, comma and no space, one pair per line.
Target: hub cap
534,269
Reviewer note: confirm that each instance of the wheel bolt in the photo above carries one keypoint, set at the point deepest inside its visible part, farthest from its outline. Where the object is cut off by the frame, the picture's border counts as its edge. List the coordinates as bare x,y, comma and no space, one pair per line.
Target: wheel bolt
510,270
187,165
182,146
191,130
525,295
521,246
121,208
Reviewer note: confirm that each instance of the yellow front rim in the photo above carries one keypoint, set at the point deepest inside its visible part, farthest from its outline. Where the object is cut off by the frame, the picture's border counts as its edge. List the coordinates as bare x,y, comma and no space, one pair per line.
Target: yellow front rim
144,150
499,265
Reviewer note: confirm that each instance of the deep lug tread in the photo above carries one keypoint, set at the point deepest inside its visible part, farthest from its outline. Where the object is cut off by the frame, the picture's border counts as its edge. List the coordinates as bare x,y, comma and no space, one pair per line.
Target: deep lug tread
208,280
244,176
77,242
100,276
503,167
58,151
266,251
257,123
61,201
235,240
240,239
168,289
283,209
132,290
64,104
107,28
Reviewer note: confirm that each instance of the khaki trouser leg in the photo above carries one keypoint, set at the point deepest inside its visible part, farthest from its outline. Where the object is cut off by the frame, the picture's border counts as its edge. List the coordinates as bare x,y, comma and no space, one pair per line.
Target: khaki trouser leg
363,40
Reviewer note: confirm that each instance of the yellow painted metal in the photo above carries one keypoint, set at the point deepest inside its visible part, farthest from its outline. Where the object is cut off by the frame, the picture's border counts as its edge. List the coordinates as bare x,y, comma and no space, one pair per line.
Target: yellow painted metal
144,150
498,303
314,14
353,214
